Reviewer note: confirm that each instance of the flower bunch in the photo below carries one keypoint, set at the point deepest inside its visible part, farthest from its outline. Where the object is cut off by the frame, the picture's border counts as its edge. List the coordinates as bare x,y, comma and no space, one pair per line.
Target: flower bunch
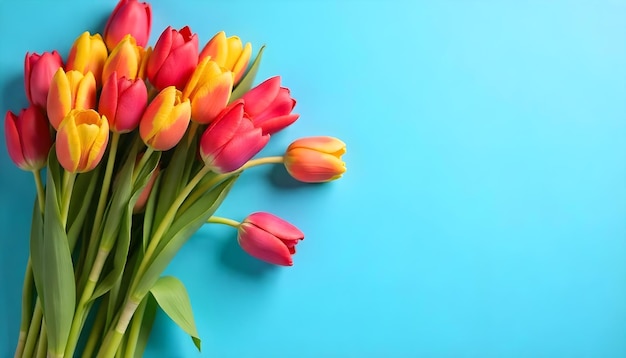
140,146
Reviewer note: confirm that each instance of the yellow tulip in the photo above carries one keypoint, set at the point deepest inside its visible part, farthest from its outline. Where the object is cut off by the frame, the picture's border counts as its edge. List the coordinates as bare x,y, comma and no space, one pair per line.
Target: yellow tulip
208,90
165,121
125,59
88,54
71,90
81,140
229,53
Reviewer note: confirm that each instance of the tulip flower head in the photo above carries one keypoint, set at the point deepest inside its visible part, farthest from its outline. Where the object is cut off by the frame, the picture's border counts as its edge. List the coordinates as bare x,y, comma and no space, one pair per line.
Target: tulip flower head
28,138
269,238
81,140
71,90
173,59
229,53
125,59
123,102
209,90
269,106
38,73
231,140
128,17
165,121
315,159
88,54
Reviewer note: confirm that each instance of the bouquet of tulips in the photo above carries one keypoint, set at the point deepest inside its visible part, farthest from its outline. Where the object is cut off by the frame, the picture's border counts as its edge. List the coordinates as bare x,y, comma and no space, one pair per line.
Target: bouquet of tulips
133,149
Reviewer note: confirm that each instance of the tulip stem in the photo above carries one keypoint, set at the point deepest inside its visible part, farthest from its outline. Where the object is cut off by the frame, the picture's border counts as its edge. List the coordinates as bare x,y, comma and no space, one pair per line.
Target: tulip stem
27,301
225,221
142,162
41,194
261,161
42,346
33,331
68,186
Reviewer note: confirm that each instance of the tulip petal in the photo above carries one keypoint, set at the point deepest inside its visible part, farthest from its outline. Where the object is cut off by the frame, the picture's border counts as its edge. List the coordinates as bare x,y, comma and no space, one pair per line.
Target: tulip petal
311,166
13,141
209,100
261,96
263,245
323,144
59,98
283,229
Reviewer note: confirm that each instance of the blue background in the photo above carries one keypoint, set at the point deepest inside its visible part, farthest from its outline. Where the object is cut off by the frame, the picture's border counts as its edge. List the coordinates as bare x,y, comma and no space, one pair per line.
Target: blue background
483,213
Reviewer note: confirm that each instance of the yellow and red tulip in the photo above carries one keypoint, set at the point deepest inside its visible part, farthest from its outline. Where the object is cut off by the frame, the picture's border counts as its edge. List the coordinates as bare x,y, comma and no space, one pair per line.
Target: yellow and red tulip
38,73
125,59
315,159
229,53
123,102
165,121
209,90
173,58
81,140
88,54
28,138
231,140
128,17
269,238
270,105
71,90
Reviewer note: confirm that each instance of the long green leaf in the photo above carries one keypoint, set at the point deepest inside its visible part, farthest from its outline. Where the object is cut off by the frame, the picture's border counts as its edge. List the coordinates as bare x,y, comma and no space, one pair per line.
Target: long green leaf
184,228
246,82
171,295
59,289
148,217
81,201
146,326
36,248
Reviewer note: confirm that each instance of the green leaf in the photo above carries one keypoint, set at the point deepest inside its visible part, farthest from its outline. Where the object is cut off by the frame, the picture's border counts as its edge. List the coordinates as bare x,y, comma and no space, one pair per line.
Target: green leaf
146,326
172,297
246,82
36,248
59,289
148,217
81,201
181,230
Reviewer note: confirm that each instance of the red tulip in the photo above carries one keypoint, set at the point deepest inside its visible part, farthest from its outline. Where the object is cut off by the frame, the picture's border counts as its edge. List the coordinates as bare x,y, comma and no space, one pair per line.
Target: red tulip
231,140
173,58
28,138
38,73
123,102
269,106
269,238
128,17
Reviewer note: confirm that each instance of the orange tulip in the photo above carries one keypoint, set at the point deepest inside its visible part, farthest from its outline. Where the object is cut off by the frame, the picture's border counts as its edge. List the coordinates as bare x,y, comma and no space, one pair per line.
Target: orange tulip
229,53
81,140
165,121
88,54
315,159
209,90
71,90
125,59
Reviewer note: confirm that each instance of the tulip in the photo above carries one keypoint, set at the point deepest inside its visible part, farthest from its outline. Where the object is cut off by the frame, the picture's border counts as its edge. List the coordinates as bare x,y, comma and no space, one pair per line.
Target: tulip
81,140
173,58
123,102
315,159
28,138
88,54
270,106
71,90
229,53
269,238
128,17
125,59
209,90
231,140
38,73
165,121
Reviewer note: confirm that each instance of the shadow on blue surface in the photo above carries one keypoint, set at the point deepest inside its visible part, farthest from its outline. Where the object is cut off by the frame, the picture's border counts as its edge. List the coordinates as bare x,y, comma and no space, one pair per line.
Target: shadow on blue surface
235,259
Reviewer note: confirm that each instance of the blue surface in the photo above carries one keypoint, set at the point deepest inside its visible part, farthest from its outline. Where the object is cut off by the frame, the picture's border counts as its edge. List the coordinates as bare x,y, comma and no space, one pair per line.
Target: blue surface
483,213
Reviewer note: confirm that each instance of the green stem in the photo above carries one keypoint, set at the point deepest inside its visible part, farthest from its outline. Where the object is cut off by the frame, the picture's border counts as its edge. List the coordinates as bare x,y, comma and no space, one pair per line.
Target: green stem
42,346
33,331
193,128
81,308
68,186
135,329
27,301
262,161
114,336
41,194
142,162
225,221
96,330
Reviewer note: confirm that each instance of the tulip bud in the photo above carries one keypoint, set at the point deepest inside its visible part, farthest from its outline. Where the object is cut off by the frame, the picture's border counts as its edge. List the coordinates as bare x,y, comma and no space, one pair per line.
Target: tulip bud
88,54
165,121
71,90
269,238
28,138
209,90
122,102
125,59
231,140
270,105
315,159
229,53
173,58
38,73
128,17
81,140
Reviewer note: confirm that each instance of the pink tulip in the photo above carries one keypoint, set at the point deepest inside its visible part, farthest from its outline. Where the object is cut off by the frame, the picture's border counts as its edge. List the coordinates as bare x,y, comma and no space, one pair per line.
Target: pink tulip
173,58
231,140
123,102
269,106
128,17
269,238
38,73
28,138
166,119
